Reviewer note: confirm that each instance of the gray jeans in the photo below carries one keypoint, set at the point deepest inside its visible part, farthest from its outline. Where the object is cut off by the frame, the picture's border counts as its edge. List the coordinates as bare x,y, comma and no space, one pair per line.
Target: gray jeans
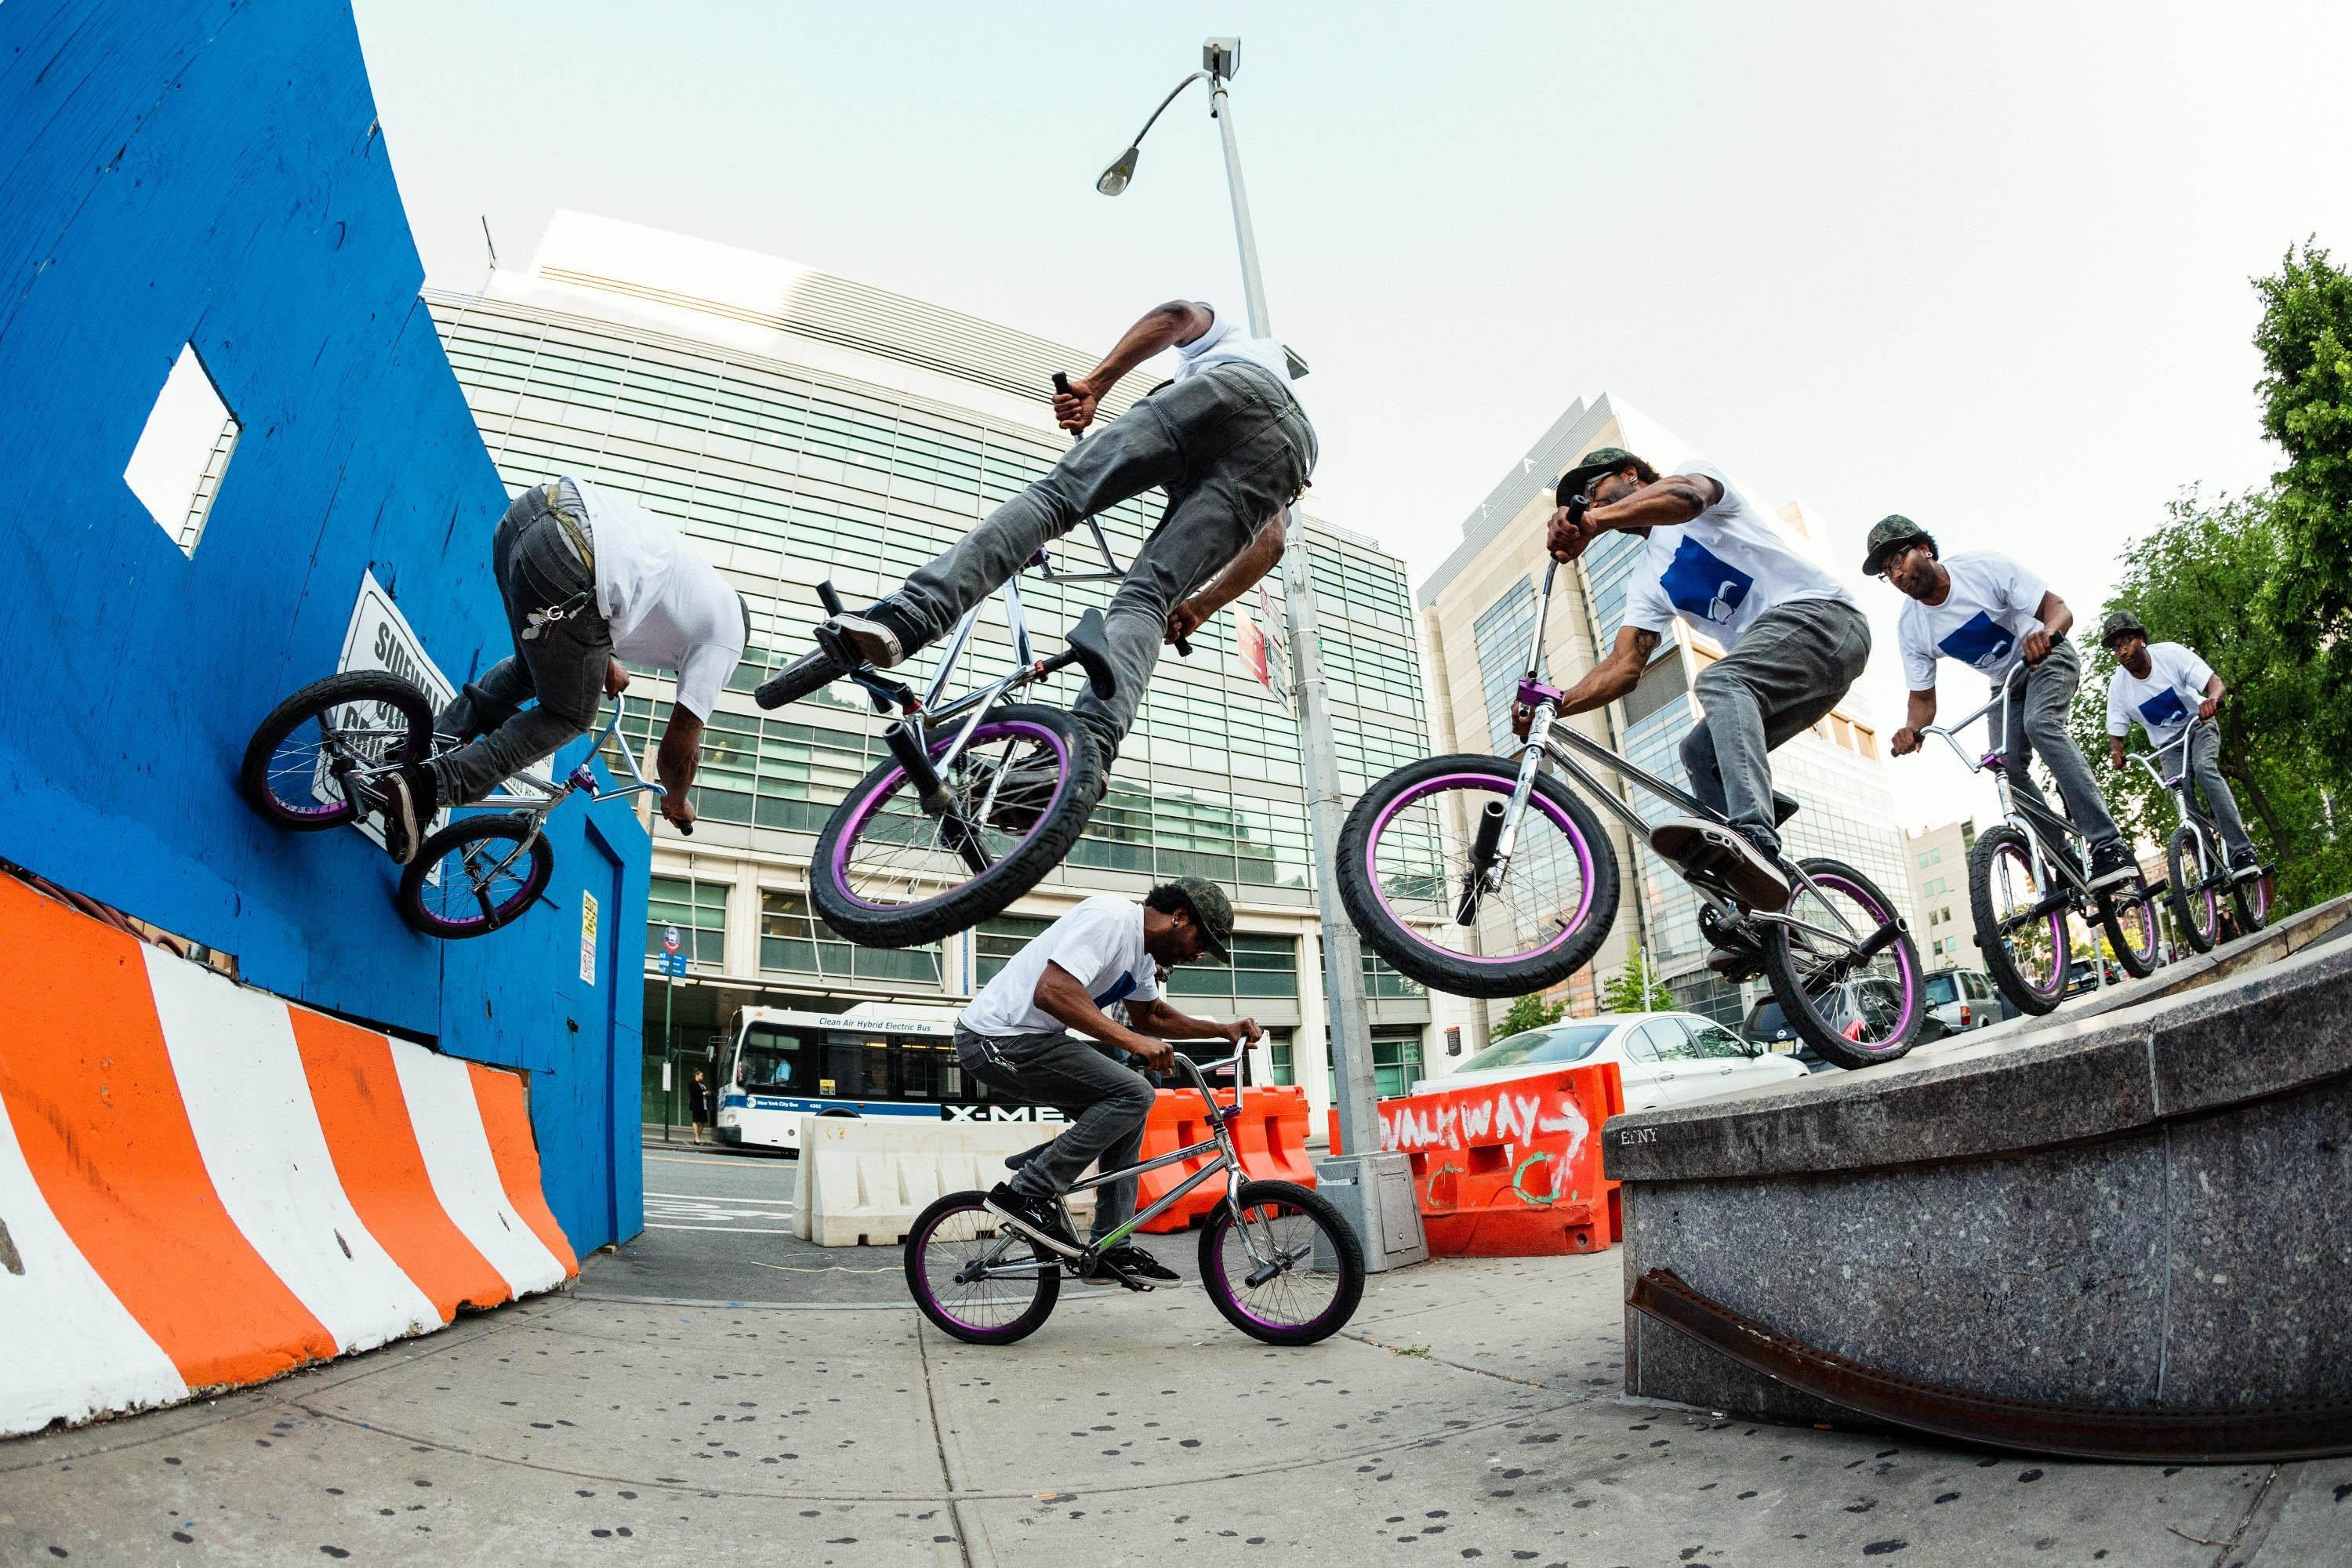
1789,667
2205,768
1107,1105
537,568
1232,448
2034,723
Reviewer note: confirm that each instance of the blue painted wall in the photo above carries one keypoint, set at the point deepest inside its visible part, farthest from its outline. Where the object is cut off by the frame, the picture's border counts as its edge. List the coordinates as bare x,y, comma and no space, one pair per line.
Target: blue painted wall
176,171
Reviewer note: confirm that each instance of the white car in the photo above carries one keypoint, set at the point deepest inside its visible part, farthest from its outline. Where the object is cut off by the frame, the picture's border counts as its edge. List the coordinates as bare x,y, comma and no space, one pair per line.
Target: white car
1662,1058
1963,999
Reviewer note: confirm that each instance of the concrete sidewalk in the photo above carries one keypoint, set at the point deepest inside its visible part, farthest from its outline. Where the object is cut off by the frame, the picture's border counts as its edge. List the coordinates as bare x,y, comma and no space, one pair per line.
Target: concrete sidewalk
1470,1411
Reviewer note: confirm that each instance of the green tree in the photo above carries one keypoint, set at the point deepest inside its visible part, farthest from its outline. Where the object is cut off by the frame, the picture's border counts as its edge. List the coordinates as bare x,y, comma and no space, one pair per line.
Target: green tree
1636,988
2204,578
2305,342
1531,1013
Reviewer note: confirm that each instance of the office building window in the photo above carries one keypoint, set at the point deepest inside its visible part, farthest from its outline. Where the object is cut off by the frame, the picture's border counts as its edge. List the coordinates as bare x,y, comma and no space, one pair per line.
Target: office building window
996,942
1396,1061
699,911
795,941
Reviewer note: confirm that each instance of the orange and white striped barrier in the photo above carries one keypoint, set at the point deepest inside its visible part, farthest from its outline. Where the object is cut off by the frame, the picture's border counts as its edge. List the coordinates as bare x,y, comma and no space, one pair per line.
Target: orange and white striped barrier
202,1186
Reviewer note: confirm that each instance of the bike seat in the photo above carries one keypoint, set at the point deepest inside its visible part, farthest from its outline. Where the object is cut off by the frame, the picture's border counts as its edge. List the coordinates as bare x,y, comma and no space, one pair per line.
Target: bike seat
1090,641
1784,806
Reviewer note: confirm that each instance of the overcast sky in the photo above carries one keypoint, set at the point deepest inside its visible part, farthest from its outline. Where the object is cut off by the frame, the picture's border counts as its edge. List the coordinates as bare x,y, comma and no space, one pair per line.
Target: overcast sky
1986,268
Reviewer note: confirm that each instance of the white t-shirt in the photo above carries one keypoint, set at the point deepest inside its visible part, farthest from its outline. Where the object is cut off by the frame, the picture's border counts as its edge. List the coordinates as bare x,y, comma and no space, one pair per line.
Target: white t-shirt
1226,341
667,606
1721,570
1100,942
1982,622
2165,700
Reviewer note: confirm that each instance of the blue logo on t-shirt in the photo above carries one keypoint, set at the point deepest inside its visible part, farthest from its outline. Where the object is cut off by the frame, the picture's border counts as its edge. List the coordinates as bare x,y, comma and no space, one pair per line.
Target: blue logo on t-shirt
1117,992
1983,642
2164,710
1701,583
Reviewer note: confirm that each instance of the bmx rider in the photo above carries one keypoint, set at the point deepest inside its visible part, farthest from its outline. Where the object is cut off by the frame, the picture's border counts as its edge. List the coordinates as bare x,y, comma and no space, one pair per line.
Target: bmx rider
2163,686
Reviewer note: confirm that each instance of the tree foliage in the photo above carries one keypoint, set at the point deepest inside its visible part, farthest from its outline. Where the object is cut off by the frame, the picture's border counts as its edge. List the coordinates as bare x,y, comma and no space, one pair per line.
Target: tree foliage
2206,578
2305,342
1636,988
1531,1013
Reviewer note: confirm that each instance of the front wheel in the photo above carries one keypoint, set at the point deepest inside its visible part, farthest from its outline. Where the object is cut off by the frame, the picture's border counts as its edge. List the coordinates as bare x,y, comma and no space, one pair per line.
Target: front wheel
2022,943
975,1278
1288,1270
2250,898
476,875
2129,916
1846,975
886,873
294,765
1405,875
2188,872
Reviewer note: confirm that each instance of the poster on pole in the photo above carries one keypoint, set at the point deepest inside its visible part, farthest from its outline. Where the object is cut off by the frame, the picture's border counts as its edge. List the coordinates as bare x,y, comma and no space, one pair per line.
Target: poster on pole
1258,643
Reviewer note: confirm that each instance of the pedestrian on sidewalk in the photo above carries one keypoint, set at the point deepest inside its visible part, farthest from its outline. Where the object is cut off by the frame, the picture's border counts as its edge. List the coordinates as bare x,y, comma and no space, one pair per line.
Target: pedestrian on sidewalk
698,1104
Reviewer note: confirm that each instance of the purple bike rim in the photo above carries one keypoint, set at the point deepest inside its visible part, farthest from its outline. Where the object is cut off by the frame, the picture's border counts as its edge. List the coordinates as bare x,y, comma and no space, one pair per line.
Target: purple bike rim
1224,1284
923,1246
1904,958
1427,787
889,782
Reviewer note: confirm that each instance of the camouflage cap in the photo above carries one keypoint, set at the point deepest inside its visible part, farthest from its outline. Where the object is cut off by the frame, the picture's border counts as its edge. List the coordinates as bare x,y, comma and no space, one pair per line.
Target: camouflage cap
1599,460
1888,534
2120,624
1211,911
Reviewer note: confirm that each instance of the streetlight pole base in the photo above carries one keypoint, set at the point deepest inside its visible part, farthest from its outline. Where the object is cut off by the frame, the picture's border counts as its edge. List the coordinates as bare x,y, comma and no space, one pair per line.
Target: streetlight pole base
1375,1192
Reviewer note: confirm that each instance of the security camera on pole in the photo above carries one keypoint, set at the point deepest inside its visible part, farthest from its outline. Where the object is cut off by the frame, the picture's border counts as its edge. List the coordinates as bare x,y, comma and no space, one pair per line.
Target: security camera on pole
1375,1190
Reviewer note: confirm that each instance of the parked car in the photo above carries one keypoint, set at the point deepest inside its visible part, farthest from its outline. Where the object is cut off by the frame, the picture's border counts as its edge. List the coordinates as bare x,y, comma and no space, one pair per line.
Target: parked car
1662,1058
2083,975
1874,996
1964,999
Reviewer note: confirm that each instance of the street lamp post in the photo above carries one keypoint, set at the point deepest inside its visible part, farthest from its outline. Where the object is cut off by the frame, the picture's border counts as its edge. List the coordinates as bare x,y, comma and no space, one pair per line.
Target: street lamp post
1352,1092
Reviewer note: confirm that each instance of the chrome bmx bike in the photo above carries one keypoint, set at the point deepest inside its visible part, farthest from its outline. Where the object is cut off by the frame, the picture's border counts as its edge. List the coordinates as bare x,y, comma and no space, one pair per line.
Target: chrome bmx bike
1278,1261
982,796
2197,871
1490,877
2026,878
318,759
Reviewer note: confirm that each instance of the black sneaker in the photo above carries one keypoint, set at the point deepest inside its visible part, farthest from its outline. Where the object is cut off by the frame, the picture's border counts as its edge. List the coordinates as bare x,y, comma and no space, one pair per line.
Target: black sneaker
2112,864
1132,1261
2245,866
882,634
1742,861
410,799
811,672
1039,1219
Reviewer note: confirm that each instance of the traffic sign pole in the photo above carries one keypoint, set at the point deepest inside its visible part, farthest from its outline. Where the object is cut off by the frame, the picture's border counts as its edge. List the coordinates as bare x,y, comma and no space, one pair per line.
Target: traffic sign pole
670,964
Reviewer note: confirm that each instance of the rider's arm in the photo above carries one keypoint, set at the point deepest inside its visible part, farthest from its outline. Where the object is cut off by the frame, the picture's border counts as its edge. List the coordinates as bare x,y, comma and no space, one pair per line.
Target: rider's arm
1240,574
1161,327
1157,1017
2214,692
680,755
2057,620
1919,711
1614,676
1673,501
1059,993
2115,751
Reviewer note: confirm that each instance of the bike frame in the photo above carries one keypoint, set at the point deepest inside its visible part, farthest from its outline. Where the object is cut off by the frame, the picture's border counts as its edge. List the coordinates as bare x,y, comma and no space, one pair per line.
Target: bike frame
2184,801
2042,829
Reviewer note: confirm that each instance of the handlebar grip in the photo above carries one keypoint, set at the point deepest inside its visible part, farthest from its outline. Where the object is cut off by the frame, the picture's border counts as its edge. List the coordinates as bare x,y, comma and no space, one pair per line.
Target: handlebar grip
1062,383
1183,648
828,597
685,827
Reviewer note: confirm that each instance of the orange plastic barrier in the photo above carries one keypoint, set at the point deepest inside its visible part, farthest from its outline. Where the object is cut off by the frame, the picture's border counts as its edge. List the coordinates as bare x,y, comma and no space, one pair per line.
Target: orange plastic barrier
1270,1137
1510,1169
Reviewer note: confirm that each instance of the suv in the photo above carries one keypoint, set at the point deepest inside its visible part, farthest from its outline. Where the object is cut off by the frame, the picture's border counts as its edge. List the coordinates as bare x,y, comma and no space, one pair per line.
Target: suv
1768,1027
1964,999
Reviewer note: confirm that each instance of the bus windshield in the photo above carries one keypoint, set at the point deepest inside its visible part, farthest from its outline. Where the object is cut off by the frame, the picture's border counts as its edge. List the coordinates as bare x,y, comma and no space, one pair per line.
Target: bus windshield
774,1061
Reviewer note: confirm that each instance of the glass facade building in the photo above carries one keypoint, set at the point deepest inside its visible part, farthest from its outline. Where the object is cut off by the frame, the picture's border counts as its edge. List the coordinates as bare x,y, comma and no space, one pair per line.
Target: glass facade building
799,428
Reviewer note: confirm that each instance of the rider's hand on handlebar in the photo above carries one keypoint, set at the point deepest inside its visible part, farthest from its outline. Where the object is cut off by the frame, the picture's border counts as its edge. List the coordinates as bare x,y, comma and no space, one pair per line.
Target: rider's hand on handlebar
616,677
2206,708
678,809
2036,646
1904,741
1567,537
1075,409
1243,1032
1159,1056
1523,719
1185,619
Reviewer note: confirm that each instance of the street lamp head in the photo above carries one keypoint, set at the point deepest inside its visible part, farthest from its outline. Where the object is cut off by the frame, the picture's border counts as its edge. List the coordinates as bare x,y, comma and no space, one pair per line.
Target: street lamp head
1222,57
1114,178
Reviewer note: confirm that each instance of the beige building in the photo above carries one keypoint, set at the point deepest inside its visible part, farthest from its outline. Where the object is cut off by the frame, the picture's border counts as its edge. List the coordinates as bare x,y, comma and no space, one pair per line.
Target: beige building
1477,613
1938,859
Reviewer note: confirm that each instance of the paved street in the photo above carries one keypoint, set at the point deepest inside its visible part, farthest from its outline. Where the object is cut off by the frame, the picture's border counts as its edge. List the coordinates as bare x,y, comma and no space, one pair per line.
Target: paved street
720,1393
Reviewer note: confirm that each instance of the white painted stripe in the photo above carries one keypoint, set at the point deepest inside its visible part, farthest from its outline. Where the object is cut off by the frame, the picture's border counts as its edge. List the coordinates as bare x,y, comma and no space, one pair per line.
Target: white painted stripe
727,1229
715,1198
448,1123
242,1082
76,1351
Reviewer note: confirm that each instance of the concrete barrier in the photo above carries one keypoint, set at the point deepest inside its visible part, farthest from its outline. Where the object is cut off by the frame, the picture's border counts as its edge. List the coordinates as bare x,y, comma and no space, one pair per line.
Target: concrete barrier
203,1186
862,1182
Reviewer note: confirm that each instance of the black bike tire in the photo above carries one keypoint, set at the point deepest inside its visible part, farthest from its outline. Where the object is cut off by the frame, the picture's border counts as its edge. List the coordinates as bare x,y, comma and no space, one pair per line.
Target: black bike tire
2184,911
2249,918
1414,960
1781,971
994,891
334,691
1049,1280
2137,965
1335,1229
507,826
2005,972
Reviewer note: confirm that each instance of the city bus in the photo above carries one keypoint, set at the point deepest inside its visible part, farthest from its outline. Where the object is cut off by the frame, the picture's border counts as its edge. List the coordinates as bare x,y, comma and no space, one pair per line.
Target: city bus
876,1059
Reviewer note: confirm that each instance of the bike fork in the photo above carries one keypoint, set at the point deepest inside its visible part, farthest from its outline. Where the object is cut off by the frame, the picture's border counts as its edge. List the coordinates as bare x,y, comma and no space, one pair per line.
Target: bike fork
1498,825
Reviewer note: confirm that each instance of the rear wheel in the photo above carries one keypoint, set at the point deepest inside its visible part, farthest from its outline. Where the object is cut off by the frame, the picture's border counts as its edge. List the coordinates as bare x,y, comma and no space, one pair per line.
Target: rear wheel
2197,906
1404,871
954,1241
476,875
294,764
2025,952
889,874
1855,1008
1290,1272
2129,916
2250,897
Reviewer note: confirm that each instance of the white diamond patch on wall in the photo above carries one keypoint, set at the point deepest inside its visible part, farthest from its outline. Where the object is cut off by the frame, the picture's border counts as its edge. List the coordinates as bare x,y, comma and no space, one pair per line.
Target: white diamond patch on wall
176,469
